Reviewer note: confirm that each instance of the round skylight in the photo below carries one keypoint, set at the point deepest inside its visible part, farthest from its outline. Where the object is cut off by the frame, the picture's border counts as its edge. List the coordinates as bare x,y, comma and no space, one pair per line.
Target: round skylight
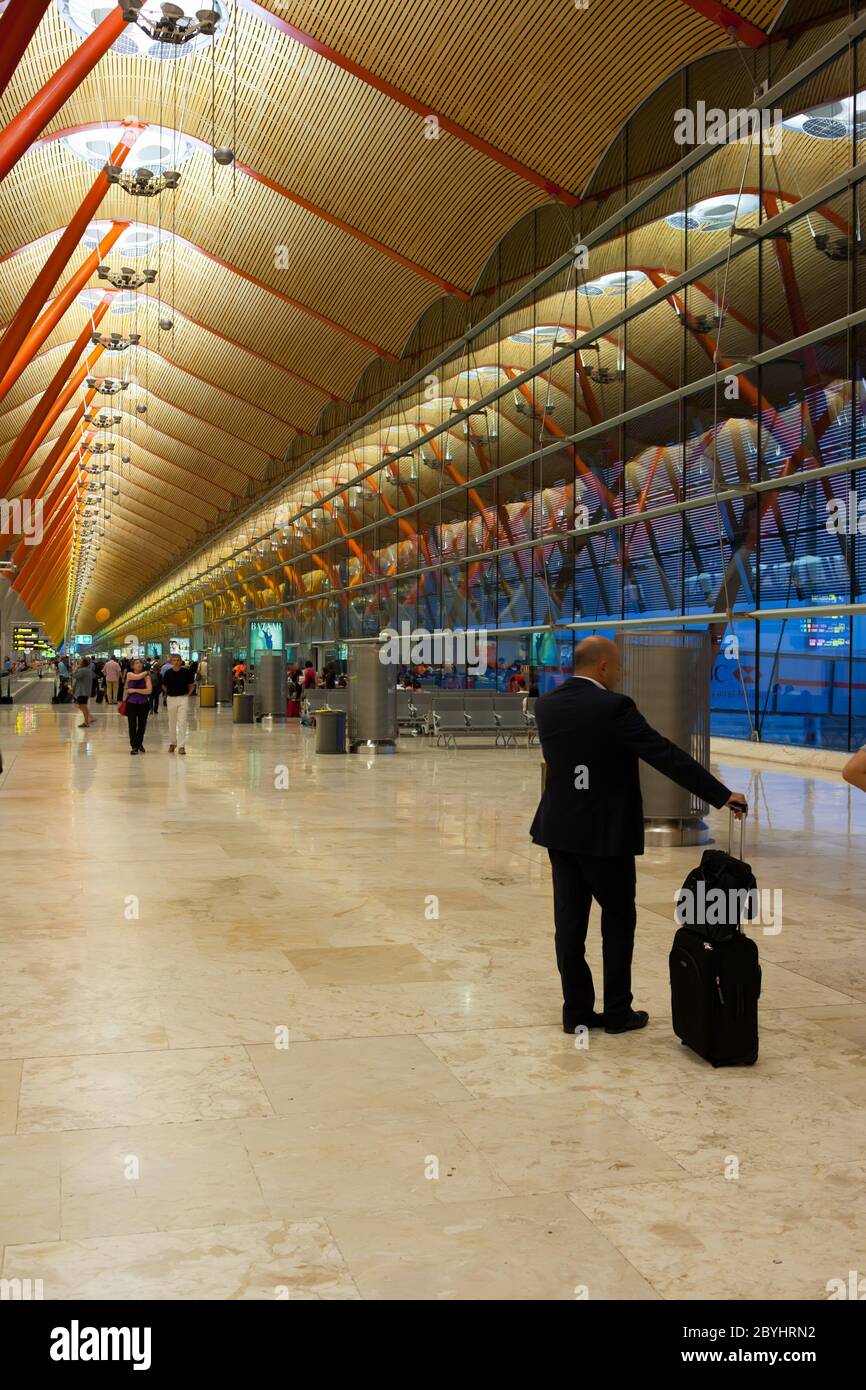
543,333
618,283
716,214
836,120
157,148
137,240
123,303
86,15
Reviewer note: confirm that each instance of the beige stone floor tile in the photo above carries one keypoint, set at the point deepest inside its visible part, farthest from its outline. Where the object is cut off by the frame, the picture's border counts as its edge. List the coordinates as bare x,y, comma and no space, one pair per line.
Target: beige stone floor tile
496,1062
314,1164
80,1024
848,1022
166,1087
10,1083
332,1077
155,1178
557,1142
356,1012
494,1003
768,1122
139,1027
365,965
29,1188
508,1248
266,1261
768,1235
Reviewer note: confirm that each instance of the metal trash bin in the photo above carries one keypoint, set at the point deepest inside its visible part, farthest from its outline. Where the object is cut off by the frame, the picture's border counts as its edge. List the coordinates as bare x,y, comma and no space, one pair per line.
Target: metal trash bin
242,709
330,731
207,697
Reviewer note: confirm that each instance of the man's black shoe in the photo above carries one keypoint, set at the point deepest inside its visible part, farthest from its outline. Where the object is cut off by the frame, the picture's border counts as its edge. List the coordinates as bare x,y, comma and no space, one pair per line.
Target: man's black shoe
594,1021
638,1018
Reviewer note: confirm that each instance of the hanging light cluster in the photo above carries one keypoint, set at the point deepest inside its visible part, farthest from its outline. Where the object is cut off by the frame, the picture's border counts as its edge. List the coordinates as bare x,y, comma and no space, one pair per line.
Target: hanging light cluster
107,385
142,183
126,278
172,25
115,342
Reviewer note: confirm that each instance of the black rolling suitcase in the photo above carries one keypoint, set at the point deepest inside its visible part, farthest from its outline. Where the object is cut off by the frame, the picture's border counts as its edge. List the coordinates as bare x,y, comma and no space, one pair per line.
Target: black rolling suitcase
716,981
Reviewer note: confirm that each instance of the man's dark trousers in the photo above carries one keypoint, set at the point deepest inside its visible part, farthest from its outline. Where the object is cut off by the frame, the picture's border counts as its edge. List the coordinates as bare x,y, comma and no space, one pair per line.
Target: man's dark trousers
577,879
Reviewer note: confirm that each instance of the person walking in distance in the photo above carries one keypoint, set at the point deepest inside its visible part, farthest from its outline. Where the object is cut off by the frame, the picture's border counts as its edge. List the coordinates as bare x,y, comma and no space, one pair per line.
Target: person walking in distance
82,690
137,697
177,684
156,687
111,676
590,821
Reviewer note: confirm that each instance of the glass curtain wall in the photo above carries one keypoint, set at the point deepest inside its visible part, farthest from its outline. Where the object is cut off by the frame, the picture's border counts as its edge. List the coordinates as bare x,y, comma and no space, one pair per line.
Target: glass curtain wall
658,419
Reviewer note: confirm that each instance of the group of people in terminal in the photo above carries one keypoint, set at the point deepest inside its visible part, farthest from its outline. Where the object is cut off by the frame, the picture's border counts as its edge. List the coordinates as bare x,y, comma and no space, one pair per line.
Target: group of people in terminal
135,687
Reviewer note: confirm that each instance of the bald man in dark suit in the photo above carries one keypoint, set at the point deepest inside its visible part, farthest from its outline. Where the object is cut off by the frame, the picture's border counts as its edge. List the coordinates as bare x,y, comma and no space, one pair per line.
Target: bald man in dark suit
590,820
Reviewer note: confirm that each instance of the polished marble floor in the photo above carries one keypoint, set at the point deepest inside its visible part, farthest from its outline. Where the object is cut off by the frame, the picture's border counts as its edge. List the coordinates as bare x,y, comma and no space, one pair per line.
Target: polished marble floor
278,1026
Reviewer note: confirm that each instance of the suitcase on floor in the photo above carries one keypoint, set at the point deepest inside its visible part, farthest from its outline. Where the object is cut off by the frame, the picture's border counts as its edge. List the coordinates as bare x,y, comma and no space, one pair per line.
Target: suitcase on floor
715,987
293,709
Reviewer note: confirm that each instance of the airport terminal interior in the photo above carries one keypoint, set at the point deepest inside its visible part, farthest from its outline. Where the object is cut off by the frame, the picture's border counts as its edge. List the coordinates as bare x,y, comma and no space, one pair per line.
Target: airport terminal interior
370,375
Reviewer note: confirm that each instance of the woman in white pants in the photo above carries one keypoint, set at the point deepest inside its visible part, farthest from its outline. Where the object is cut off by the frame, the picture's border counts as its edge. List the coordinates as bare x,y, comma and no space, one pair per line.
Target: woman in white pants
177,683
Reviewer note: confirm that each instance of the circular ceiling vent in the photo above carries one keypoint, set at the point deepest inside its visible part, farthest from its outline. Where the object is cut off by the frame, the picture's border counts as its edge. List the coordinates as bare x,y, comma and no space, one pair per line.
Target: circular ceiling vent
825,128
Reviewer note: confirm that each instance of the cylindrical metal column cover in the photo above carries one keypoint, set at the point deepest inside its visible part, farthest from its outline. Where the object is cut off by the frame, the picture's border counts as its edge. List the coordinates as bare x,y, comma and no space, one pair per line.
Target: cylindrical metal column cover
220,670
667,674
372,697
270,684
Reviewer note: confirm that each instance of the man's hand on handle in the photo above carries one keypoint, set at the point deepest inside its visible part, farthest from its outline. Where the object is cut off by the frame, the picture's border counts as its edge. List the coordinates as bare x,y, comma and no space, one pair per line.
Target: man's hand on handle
738,804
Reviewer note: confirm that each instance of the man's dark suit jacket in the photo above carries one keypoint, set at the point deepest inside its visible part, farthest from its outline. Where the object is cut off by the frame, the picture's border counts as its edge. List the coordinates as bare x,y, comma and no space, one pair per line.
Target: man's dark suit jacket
581,726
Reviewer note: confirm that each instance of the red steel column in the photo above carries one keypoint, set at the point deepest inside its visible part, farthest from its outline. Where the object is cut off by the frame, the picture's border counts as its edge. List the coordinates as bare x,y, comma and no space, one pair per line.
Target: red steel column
19,135
17,27
53,402
60,257
54,312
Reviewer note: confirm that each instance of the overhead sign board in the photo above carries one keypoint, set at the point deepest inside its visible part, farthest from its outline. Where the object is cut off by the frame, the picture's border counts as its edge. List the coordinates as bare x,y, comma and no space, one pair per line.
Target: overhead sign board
25,636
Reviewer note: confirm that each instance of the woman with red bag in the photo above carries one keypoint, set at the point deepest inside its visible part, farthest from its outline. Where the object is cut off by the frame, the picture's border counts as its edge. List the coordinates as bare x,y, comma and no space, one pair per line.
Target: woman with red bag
136,705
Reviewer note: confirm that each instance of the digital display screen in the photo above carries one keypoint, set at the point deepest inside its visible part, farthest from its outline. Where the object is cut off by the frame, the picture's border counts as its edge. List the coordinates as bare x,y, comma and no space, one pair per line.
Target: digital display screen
828,631
179,645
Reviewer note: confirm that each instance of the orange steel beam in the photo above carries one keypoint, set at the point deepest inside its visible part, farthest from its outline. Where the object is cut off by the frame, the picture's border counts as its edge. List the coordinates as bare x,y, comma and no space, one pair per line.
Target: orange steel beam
739,29
20,133
388,89
52,404
55,500
313,208
18,329
36,592
276,294
68,440
19,23
185,410
35,562
55,503
49,319
151,430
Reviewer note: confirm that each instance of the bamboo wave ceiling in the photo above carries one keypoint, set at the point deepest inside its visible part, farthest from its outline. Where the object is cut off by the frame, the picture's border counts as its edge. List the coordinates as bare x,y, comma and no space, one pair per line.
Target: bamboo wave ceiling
343,218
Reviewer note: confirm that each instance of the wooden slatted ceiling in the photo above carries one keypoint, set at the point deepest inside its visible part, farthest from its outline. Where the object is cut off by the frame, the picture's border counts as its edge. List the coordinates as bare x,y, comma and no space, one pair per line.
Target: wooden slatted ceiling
497,72
335,140
308,125
270,391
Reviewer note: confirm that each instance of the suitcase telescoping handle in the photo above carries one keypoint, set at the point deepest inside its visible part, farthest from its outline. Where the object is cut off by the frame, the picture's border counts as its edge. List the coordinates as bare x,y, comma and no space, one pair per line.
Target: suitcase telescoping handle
731,820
